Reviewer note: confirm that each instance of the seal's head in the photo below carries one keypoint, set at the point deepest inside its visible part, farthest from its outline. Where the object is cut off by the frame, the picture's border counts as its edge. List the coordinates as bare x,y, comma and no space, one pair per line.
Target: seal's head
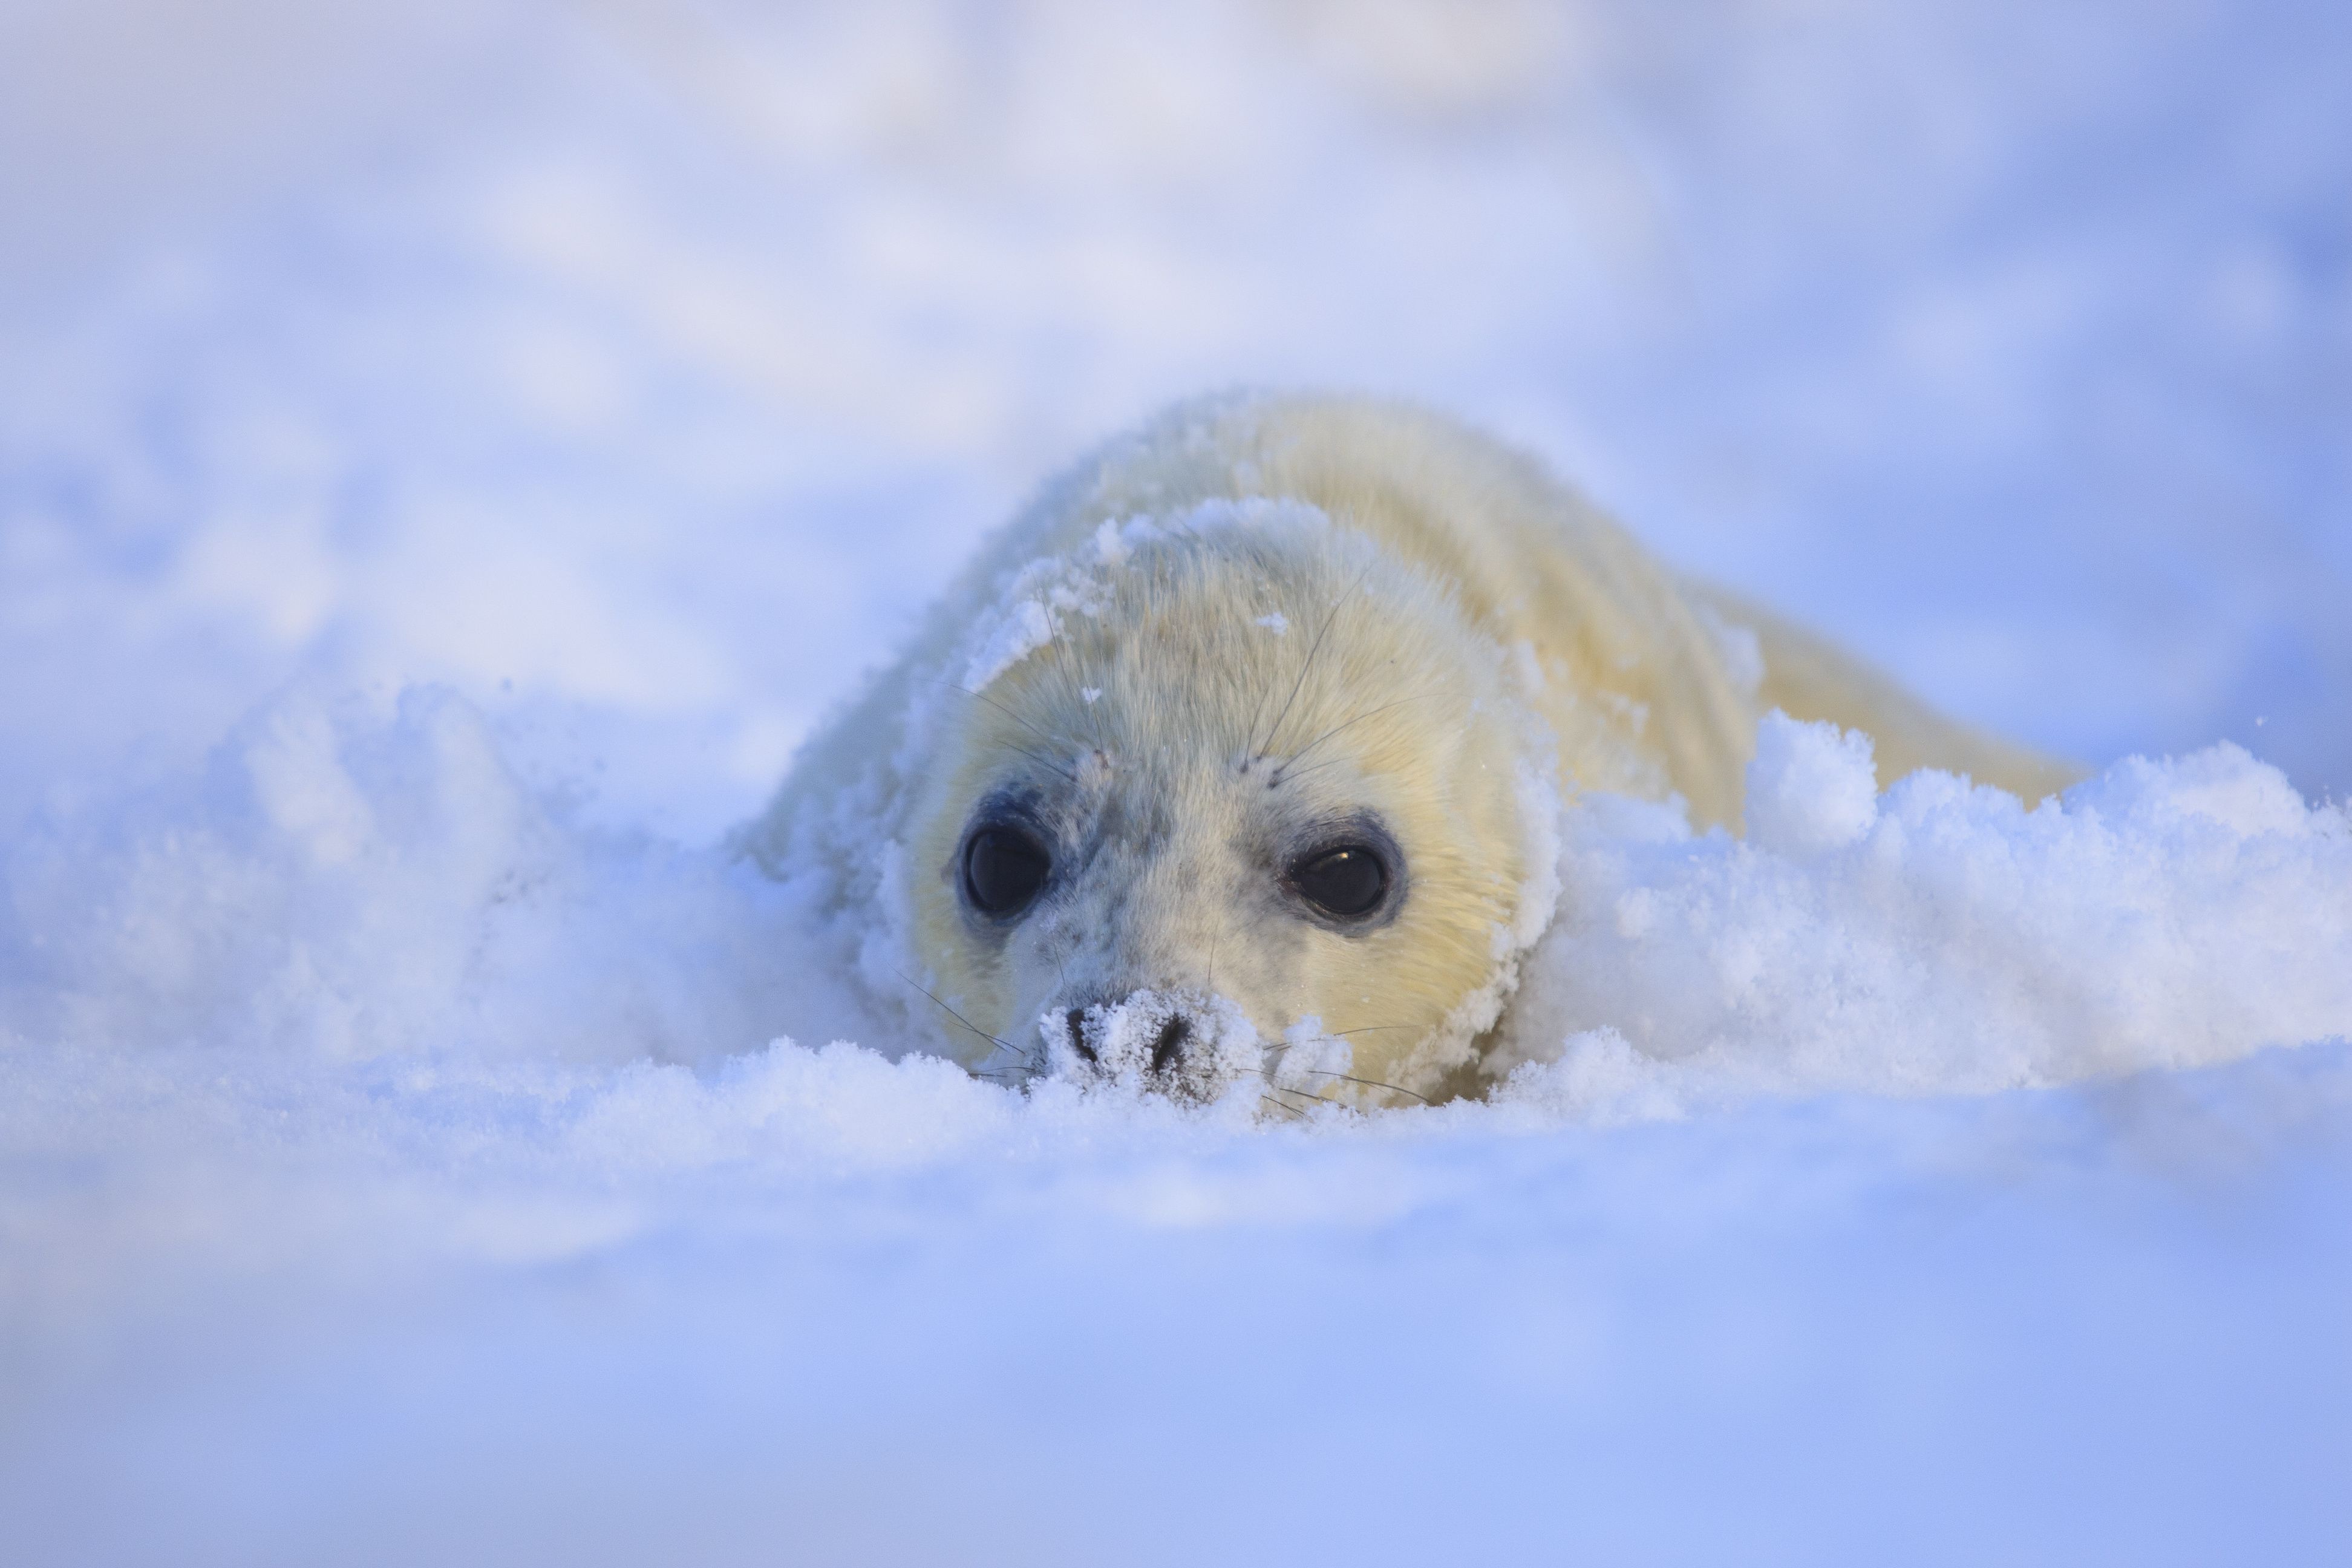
1229,787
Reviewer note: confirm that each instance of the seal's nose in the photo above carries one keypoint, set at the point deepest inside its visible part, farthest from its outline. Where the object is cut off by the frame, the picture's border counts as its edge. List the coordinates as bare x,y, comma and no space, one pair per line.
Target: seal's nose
1169,1042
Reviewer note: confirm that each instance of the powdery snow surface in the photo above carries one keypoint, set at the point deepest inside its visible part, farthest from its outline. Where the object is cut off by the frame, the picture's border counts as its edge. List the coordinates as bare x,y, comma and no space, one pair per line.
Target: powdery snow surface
1939,939
448,455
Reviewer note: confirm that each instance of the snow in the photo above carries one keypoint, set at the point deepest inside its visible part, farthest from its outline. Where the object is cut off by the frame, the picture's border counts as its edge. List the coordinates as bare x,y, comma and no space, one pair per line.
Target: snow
449,454
1941,938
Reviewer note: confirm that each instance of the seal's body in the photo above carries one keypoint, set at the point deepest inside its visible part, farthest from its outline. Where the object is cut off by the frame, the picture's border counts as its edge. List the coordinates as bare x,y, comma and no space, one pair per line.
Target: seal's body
1251,736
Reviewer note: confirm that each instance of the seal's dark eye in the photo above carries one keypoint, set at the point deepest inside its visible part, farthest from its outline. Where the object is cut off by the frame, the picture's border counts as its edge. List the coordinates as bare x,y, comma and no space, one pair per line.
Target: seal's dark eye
1346,883
1004,867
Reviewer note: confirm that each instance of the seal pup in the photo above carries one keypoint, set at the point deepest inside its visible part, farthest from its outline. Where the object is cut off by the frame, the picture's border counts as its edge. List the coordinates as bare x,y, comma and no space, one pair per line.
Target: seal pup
1238,758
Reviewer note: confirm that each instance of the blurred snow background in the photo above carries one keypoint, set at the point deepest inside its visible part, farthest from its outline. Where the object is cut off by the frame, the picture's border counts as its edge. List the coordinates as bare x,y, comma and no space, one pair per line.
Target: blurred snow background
660,356
449,453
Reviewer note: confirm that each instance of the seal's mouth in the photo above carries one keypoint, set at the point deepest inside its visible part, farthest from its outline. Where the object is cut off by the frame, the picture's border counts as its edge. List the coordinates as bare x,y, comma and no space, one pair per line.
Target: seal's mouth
1189,1046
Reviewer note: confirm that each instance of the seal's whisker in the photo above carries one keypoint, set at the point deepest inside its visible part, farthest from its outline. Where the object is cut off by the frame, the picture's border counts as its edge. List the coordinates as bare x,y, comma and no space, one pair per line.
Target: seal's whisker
1282,772
1291,1111
1043,761
1284,776
1363,1029
1064,661
1049,739
1292,1090
1249,736
1273,1088
1367,1083
1001,707
1309,1098
1301,684
1029,1065
1276,1048
1026,1058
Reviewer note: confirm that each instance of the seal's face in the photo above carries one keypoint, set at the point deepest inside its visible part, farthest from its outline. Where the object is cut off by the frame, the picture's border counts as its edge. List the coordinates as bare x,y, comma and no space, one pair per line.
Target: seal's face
1262,792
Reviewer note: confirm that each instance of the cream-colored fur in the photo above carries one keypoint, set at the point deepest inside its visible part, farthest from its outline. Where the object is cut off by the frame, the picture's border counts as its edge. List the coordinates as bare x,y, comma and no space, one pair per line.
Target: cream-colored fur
1252,623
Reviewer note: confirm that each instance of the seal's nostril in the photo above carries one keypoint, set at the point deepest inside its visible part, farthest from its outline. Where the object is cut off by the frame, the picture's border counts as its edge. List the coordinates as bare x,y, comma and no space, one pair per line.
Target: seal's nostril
1076,1019
1164,1050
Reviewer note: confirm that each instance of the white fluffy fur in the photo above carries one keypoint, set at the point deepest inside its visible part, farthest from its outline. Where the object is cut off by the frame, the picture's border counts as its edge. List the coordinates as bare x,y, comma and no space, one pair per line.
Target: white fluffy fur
1256,614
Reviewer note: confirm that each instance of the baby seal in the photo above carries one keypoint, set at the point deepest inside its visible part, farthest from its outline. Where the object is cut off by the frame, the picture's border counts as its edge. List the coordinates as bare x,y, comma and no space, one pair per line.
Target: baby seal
1239,757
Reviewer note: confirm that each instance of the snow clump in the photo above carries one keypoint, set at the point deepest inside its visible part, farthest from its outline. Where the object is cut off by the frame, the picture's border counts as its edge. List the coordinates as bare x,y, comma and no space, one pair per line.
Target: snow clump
1942,938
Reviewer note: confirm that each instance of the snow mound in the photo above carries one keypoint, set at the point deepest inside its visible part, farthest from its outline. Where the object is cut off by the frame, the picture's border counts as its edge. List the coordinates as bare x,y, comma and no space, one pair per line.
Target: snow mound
363,878
353,878
1939,939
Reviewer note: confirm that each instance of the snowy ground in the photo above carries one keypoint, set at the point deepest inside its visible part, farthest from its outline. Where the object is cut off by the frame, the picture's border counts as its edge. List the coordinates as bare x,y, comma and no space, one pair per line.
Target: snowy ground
449,453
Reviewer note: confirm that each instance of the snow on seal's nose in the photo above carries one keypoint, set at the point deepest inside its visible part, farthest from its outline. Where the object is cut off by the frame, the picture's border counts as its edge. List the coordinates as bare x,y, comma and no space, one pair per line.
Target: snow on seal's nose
1189,1046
